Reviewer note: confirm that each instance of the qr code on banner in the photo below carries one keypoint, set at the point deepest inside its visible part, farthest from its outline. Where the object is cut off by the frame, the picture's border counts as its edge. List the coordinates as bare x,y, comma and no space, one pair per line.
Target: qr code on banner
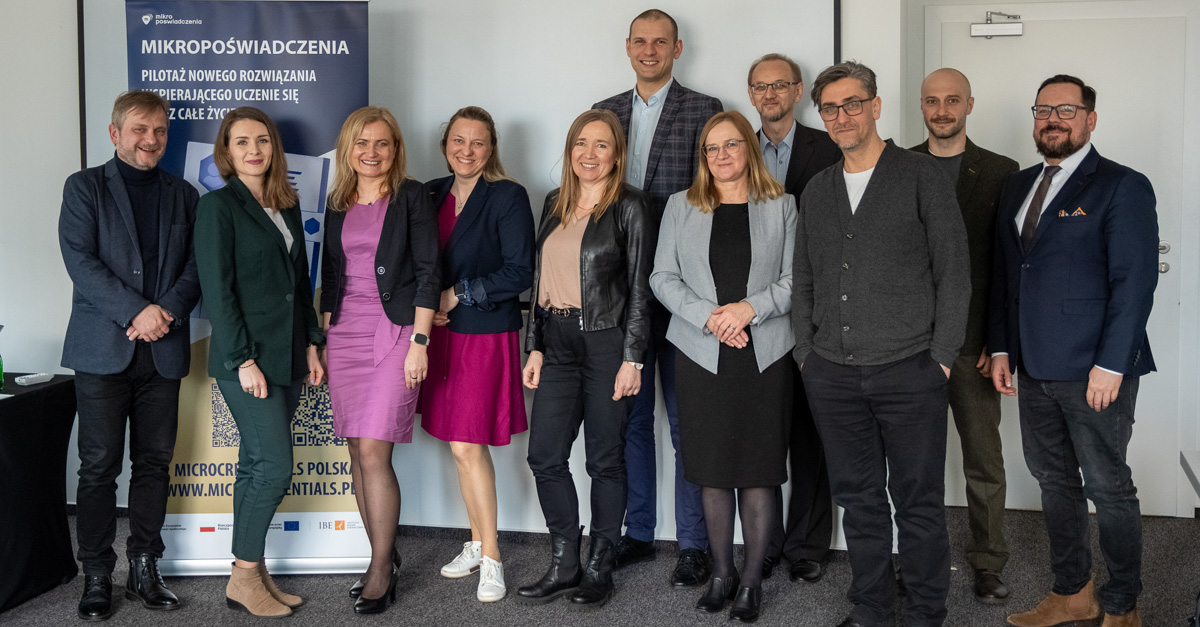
312,426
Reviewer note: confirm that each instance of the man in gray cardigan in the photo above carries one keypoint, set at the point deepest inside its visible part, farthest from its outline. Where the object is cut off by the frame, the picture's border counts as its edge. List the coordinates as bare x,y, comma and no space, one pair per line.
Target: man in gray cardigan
881,284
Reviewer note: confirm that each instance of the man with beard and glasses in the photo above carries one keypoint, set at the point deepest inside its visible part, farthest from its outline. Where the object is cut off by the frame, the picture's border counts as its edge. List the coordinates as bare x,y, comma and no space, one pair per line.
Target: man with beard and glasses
946,102
880,286
1074,278
794,153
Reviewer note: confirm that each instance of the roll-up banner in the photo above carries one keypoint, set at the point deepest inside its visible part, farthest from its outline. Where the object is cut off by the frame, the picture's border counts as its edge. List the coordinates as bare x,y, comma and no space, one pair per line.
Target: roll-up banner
305,65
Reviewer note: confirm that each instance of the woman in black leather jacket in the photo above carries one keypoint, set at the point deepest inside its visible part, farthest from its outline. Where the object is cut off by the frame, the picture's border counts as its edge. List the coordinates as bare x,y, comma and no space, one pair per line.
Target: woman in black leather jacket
588,328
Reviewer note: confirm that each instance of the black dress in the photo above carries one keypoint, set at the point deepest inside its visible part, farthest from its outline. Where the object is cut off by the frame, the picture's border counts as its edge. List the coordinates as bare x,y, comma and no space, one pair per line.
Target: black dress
733,425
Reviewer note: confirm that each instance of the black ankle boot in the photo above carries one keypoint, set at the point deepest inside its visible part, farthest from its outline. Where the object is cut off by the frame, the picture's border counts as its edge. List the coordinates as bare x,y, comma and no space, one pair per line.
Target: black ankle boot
721,590
597,586
146,585
96,603
563,575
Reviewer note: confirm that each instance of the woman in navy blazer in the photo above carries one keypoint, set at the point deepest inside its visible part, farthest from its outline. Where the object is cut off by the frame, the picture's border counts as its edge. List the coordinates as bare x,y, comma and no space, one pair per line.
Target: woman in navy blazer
254,274
472,397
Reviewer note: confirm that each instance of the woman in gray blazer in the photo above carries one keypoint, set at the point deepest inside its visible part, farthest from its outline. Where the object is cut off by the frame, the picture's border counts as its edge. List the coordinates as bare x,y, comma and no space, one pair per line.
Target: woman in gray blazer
723,268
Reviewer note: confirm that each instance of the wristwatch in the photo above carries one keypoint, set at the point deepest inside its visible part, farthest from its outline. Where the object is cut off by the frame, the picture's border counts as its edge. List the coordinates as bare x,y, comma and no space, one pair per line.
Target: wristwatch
636,365
420,338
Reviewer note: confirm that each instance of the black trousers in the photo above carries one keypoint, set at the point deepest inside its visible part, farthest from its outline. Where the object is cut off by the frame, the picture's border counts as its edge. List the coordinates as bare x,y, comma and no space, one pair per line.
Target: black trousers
149,404
809,527
884,431
578,374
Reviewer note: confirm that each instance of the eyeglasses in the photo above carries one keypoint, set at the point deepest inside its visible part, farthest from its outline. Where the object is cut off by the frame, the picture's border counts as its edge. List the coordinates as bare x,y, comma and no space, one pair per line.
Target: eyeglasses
829,113
1065,111
732,146
780,87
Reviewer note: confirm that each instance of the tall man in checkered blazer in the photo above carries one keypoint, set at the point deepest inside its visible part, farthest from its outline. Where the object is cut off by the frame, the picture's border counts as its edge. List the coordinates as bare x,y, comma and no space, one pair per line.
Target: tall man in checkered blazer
662,121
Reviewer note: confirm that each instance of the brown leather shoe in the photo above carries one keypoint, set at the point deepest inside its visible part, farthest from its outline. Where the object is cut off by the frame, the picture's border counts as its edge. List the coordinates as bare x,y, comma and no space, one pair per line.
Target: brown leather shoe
1125,620
990,588
1077,610
246,591
289,600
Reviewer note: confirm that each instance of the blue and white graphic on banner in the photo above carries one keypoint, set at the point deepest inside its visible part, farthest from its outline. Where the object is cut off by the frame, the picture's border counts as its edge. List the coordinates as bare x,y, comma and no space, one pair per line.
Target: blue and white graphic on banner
303,63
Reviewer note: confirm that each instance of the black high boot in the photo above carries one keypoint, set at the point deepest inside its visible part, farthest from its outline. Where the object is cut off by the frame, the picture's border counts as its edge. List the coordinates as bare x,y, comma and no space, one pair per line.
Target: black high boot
563,575
597,586
146,585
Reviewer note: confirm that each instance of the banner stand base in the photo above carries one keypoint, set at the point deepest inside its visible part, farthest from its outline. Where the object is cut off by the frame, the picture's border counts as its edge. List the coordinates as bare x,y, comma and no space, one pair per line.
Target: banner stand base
277,566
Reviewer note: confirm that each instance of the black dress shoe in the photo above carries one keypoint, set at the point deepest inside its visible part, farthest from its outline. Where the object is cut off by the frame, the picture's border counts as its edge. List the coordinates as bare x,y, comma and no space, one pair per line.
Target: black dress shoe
631,551
691,570
146,585
850,622
720,591
596,587
746,605
989,588
806,570
363,605
96,603
356,589
769,564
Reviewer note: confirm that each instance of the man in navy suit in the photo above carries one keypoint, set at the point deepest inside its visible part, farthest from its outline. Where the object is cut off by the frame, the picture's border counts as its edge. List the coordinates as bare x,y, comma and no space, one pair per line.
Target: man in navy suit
1074,278
662,121
794,153
125,231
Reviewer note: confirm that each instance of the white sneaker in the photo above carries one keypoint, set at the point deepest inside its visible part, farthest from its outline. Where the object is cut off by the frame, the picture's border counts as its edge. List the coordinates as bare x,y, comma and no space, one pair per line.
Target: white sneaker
491,581
466,563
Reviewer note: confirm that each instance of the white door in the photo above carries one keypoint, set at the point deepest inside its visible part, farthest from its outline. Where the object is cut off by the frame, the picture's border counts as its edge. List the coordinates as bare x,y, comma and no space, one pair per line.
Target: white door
1137,55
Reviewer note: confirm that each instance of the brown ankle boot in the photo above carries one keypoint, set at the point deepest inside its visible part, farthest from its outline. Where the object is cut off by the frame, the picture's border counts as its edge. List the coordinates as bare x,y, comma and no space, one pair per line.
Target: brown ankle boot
246,591
1077,610
289,600
1125,620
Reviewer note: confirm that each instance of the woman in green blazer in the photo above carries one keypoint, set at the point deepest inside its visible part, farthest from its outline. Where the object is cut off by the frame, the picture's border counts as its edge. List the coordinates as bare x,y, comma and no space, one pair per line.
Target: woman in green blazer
265,336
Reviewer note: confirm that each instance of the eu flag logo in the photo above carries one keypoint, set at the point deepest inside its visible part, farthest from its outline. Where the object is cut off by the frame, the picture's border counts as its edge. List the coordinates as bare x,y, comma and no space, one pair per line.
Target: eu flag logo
291,525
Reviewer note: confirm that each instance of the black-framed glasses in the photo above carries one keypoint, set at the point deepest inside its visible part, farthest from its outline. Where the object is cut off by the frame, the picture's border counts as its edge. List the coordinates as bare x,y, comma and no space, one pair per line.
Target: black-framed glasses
731,146
780,87
829,113
1065,111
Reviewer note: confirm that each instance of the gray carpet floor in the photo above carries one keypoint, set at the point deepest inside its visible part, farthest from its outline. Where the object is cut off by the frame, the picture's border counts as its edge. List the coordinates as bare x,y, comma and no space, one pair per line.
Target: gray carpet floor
643,596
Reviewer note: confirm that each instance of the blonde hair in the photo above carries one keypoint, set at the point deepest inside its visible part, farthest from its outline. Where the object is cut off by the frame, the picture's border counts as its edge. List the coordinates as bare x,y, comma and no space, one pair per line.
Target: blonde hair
277,192
493,170
760,184
345,183
569,192
141,101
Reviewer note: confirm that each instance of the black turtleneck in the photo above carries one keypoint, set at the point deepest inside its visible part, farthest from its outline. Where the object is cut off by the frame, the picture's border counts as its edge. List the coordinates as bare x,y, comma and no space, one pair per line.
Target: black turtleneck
143,187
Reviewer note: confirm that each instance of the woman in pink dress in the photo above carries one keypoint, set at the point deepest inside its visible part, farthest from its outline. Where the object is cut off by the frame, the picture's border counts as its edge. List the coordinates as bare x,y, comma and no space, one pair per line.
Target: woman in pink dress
379,293
473,398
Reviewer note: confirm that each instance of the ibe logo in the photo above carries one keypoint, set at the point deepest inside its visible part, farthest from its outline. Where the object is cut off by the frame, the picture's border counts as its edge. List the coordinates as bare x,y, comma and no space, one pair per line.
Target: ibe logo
336,525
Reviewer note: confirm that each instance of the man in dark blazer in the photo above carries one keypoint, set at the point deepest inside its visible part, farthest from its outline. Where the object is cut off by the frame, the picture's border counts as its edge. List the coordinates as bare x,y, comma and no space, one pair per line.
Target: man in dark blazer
794,153
1075,272
662,121
946,102
126,236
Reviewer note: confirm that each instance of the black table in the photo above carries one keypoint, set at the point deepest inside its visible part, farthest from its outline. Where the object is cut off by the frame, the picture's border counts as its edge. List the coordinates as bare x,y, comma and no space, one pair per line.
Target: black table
35,540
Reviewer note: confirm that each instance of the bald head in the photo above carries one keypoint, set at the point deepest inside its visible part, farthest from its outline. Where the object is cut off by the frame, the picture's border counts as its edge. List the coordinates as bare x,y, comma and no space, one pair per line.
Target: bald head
945,104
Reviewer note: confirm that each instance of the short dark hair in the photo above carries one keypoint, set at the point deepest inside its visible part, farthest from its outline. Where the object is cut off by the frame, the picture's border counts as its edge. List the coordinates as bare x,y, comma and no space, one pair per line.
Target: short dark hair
657,14
140,101
845,69
775,56
1089,94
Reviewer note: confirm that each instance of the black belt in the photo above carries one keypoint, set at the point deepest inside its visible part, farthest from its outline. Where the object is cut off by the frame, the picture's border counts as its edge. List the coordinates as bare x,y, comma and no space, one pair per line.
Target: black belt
570,312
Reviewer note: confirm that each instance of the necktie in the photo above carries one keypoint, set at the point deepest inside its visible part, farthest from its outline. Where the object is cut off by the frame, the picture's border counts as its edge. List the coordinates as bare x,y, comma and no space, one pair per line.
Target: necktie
1035,206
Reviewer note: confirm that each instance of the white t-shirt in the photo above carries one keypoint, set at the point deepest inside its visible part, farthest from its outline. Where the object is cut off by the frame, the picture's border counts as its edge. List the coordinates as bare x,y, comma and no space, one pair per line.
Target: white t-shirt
856,184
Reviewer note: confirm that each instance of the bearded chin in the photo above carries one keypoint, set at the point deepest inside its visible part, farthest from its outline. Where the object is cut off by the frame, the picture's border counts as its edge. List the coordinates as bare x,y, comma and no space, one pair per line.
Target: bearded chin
775,117
1065,148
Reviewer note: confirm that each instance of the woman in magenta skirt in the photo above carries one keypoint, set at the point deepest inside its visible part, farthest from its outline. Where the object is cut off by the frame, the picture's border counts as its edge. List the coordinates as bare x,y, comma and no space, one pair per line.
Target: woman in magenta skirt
472,397
379,294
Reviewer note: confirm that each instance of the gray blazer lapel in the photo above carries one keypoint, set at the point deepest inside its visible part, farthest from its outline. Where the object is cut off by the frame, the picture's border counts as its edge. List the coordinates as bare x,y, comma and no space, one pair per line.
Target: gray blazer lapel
764,235
167,208
116,187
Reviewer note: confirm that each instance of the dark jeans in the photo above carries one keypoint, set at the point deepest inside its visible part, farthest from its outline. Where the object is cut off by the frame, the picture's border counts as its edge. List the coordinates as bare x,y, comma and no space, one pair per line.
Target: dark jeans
884,431
640,459
1062,436
578,374
149,404
975,404
264,471
810,509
